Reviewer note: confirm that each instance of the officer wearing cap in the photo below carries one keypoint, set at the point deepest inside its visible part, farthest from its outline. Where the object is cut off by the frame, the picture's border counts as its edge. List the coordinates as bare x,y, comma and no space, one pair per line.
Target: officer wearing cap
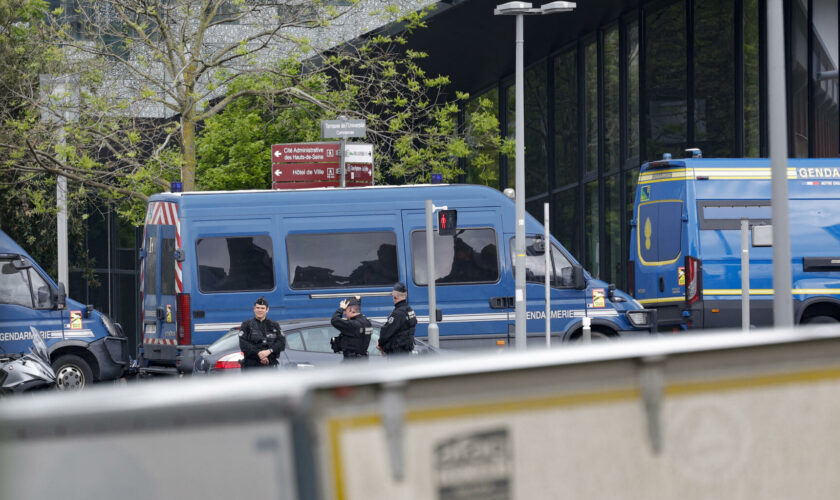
354,339
397,336
260,338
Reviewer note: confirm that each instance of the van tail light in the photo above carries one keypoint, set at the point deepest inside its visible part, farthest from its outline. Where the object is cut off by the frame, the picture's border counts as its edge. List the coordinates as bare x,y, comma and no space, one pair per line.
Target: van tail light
230,361
693,280
182,302
631,277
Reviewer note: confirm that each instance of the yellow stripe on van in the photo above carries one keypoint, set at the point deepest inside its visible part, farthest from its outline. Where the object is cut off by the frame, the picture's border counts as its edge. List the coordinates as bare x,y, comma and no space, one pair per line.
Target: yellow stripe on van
712,173
661,300
769,291
338,425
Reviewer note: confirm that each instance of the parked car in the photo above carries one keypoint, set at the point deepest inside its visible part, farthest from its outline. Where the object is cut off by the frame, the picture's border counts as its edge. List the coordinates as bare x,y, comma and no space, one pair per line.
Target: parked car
307,346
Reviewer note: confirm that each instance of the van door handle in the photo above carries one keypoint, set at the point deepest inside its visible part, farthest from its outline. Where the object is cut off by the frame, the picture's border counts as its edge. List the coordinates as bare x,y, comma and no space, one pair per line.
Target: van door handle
501,302
661,284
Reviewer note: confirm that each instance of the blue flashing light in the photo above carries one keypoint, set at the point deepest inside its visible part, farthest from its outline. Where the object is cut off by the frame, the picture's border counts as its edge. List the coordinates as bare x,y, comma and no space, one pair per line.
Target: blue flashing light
666,156
437,178
176,186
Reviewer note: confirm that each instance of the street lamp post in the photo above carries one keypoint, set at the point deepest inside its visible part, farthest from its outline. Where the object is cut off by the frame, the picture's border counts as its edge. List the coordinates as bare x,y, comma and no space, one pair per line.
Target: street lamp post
520,9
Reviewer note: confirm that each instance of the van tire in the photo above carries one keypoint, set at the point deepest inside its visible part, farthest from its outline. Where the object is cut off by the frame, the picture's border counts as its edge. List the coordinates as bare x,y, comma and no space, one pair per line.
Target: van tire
597,336
72,373
820,320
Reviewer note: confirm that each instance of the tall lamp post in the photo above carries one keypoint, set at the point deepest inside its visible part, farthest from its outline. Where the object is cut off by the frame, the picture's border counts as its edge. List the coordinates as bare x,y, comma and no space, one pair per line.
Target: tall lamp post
520,9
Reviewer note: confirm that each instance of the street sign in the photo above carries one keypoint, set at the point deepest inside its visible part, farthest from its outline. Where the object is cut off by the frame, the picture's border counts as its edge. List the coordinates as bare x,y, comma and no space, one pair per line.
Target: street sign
317,164
358,153
304,172
342,129
296,172
305,152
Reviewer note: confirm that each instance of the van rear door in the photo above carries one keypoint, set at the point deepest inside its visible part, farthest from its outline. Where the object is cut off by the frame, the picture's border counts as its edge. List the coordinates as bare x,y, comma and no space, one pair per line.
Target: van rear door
158,286
468,273
660,276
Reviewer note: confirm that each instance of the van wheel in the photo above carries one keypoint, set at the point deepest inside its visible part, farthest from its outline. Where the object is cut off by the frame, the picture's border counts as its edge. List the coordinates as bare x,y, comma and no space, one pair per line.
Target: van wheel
72,373
597,336
820,320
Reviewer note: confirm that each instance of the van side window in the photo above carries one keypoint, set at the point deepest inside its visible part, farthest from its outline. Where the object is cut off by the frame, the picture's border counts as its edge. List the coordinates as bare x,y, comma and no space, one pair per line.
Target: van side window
563,276
727,214
561,268
342,260
167,266
235,264
470,256
150,266
14,285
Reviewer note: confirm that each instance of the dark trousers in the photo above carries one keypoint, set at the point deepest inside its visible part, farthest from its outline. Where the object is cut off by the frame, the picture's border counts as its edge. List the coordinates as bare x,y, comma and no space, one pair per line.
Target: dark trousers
352,356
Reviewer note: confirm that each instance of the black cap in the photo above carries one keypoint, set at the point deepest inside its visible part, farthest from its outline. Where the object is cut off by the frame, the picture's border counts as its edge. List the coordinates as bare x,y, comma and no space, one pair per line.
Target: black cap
399,287
353,301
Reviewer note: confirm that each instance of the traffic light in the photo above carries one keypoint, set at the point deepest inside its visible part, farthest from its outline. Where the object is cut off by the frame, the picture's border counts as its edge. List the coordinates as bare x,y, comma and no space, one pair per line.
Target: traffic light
447,222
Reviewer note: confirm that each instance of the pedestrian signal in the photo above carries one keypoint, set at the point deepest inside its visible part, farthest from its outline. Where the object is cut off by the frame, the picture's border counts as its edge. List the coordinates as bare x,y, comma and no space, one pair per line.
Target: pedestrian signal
447,222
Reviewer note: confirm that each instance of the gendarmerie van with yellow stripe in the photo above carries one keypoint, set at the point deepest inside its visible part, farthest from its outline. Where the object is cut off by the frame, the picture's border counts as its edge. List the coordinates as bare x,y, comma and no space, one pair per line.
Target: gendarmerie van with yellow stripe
685,242
208,255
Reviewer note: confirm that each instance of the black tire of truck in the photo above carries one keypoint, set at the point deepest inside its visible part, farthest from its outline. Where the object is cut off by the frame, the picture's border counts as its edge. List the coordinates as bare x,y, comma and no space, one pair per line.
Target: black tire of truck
72,373
820,320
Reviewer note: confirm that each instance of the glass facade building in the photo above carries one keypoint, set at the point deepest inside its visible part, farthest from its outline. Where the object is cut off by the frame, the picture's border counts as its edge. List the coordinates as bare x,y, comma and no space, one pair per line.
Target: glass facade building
657,77
608,87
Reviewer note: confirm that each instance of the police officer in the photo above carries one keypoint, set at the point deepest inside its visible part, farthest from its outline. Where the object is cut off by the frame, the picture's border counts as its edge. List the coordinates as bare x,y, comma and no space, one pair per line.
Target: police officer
397,336
354,339
260,338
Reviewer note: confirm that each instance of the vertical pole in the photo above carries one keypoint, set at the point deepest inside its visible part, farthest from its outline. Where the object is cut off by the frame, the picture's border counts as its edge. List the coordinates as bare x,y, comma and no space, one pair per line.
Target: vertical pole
521,327
745,274
61,227
341,155
61,193
777,123
548,273
434,338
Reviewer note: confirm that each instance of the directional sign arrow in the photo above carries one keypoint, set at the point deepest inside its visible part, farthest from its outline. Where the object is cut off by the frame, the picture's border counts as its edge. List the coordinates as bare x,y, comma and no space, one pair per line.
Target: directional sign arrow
278,172
277,153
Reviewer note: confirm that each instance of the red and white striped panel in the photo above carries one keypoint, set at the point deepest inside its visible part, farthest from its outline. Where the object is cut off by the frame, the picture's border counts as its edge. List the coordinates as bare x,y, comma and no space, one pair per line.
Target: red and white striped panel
152,340
166,213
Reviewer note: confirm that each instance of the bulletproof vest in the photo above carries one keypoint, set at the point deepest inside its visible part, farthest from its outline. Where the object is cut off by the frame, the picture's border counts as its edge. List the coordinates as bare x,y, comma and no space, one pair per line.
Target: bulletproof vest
403,339
359,341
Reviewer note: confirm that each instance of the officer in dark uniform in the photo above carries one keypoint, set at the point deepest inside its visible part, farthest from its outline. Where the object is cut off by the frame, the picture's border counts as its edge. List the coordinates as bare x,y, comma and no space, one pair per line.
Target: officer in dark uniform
354,339
397,336
260,338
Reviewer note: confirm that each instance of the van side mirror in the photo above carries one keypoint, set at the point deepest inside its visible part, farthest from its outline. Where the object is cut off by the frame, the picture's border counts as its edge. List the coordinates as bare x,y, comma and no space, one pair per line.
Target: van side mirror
60,299
539,245
578,279
21,264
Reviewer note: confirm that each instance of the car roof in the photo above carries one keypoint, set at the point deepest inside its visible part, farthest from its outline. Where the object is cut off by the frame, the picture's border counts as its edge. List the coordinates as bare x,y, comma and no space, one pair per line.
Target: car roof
296,323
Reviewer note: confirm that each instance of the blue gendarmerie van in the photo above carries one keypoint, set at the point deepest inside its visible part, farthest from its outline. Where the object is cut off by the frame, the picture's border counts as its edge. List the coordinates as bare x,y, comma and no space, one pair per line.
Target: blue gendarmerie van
207,256
84,345
686,240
